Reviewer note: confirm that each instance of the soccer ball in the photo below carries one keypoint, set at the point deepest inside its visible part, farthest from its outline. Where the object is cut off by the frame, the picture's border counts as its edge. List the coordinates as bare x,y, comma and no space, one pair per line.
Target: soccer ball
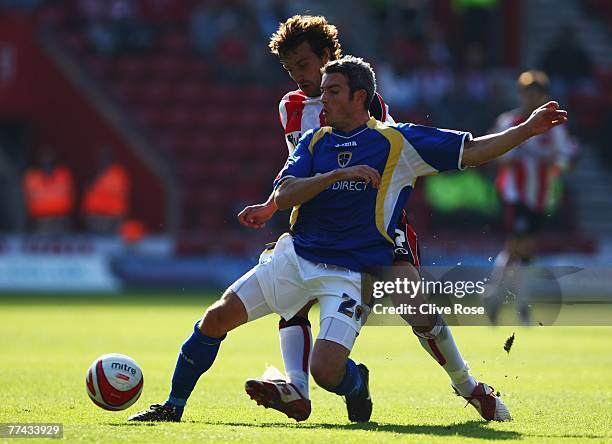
114,381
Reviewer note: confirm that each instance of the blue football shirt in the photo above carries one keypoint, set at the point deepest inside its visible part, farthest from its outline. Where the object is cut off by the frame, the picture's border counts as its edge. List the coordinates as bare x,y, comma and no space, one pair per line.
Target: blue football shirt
351,224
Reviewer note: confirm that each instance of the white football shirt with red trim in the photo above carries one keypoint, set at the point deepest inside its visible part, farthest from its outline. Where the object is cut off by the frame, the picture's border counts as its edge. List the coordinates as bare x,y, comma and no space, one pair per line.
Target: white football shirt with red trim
526,173
300,113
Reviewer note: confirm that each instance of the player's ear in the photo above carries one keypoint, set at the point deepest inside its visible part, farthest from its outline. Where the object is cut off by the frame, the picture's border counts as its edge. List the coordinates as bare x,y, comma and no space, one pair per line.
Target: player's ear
326,57
361,95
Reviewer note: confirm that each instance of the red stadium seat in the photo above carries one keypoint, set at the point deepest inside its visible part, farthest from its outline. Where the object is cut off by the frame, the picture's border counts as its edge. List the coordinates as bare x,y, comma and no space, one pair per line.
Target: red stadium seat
129,67
153,93
53,14
266,121
75,40
123,91
212,119
197,70
190,93
224,171
178,118
98,66
190,172
224,96
171,141
174,42
149,118
590,109
257,95
605,79
168,67
239,146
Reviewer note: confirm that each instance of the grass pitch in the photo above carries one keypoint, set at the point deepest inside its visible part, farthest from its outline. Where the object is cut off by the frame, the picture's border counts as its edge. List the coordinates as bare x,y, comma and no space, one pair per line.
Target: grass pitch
557,381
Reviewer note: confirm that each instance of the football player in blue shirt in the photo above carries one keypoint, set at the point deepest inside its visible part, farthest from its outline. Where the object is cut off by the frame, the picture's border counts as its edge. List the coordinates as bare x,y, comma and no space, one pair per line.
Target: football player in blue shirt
346,182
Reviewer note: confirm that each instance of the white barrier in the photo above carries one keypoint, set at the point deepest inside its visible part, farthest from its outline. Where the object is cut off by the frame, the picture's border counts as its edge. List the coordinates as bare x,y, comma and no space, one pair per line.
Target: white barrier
56,273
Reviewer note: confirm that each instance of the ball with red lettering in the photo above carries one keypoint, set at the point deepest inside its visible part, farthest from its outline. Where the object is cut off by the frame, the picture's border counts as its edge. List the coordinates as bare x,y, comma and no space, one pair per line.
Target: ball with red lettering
114,381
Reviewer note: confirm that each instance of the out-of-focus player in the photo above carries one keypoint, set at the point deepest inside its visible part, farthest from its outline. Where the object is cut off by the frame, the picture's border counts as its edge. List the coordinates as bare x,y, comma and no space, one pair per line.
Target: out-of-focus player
524,182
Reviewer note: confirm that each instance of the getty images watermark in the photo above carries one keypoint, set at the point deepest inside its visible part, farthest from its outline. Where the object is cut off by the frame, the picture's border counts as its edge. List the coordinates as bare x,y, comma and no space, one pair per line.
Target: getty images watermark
462,295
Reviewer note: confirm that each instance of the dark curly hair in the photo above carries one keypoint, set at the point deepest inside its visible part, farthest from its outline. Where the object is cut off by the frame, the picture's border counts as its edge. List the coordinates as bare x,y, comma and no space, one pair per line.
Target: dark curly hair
306,28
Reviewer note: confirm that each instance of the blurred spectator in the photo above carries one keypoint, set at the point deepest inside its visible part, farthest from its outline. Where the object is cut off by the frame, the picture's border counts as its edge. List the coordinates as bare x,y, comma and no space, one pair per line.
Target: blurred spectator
164,10
605,136
106,198
471,91
409,17
269,14
567,63
21,5
49,194
435,82
132,231
437,47
398,86
478,19
477,79
210,22
228,32
12,215
115,26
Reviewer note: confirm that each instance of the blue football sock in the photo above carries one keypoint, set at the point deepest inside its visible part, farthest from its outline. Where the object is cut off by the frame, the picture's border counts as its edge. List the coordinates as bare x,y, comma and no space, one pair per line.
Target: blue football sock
196,356
352,384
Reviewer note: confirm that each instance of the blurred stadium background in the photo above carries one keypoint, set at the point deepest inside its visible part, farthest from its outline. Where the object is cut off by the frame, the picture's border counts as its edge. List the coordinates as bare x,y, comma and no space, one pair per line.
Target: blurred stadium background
180,97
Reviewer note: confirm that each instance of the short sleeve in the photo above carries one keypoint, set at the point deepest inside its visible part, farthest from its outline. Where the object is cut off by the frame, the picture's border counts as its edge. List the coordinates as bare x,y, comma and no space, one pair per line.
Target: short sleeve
299,163
438,149
282,111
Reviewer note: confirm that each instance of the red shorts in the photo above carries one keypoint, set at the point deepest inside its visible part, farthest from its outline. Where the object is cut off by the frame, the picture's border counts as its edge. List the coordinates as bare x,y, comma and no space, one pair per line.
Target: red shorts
406,244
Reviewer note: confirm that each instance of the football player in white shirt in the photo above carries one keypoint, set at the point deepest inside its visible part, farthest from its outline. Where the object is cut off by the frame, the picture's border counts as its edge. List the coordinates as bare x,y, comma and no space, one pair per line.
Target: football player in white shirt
524,182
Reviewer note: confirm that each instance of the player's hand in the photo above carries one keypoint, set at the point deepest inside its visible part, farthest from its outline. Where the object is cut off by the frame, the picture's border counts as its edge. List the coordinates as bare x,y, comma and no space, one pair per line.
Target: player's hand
256,216
545,117
360,172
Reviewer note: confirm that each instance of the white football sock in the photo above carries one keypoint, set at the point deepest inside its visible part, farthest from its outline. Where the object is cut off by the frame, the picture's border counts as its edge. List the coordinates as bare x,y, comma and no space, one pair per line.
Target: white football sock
440,344
296,348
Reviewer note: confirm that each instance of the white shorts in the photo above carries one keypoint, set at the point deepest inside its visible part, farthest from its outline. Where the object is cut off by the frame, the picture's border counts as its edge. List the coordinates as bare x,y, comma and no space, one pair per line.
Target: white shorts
283,283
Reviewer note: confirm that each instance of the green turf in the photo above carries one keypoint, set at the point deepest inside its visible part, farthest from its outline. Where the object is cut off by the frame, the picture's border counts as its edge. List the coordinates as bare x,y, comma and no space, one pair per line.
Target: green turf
557,381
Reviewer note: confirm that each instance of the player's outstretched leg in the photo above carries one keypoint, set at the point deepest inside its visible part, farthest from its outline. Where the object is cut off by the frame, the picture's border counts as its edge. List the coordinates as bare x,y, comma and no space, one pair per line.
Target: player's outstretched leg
196,356
440,344
290,397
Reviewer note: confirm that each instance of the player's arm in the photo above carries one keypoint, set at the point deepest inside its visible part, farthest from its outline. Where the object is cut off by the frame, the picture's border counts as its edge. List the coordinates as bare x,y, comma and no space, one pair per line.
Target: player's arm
256,216
297,190
503,123
486,148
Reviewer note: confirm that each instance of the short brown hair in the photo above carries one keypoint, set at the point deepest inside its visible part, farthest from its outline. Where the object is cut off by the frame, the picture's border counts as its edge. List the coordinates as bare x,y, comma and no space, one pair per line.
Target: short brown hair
359,75
306,28
537,80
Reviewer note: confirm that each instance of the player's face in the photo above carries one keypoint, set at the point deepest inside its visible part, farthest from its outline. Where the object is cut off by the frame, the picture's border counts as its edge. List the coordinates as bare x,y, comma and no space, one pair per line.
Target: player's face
304,67
531,99
338,105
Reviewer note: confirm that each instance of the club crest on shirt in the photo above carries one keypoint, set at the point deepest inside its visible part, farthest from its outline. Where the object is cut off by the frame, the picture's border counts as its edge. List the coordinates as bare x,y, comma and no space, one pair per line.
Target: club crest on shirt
344,158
